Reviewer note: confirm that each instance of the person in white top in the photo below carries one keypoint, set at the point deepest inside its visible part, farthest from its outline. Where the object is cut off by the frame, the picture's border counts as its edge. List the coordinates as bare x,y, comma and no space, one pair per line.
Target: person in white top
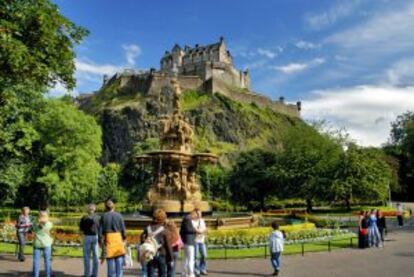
200,244
276,243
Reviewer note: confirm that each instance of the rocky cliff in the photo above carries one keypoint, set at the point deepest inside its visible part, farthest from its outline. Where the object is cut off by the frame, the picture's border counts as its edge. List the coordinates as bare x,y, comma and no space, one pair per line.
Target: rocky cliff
222,125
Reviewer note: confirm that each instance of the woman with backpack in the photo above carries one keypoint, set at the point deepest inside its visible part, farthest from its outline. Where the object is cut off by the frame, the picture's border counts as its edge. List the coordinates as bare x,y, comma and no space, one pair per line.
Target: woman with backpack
155,251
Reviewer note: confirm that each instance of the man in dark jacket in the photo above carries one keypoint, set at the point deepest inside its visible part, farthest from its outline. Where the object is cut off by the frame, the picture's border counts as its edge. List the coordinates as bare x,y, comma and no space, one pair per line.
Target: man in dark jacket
188,234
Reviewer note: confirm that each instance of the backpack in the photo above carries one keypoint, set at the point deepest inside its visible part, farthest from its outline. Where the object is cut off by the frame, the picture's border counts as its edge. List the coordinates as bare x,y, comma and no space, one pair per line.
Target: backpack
149,249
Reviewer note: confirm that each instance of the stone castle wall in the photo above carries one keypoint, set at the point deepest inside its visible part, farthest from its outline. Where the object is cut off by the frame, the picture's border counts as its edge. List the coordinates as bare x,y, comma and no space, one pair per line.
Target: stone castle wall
218,86
221,81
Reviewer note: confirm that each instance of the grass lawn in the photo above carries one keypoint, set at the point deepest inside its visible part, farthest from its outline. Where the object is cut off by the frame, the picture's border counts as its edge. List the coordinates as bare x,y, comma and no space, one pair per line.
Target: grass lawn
213,253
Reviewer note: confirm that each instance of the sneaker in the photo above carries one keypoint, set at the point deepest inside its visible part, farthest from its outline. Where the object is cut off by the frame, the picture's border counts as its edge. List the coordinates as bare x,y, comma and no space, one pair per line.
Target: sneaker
204,272
276,272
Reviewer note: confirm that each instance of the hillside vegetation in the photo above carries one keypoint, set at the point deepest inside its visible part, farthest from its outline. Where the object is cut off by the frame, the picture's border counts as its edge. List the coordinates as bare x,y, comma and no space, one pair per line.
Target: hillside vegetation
222,126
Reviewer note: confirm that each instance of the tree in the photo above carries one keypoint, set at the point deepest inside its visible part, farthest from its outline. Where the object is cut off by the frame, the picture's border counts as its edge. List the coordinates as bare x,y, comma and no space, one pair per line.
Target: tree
36,50
64,157
108,184
306,164
363,174
250,182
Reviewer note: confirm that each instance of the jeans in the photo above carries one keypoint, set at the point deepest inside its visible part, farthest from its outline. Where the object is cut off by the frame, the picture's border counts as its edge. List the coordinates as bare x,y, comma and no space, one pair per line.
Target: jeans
172,266
200,257
115,266
276,258
47,255
374,237
90,243
159,262
21,237
189,255
144,271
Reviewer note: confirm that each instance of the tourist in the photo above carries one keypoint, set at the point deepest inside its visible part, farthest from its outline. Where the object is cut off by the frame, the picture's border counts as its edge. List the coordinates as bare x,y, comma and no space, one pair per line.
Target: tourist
112,239
42,243
276,247
382,225
156,250
200,245
89,226
173,237
363,230
188,233
400,213
373,233
23,226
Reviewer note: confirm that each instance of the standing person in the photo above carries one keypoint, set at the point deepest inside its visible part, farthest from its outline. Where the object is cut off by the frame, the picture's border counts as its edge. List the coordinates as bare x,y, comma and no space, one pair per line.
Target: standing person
200,245
382,225
373,233
276,243
156,247
112,239
400,213
23,226
89,226
188,233
42,243
363,230
173,237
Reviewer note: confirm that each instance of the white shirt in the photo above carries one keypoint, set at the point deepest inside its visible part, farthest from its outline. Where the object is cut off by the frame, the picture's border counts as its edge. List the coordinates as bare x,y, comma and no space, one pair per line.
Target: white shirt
200,226
276,241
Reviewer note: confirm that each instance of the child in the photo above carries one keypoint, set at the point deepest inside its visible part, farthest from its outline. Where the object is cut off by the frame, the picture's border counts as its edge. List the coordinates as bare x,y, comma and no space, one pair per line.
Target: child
276,247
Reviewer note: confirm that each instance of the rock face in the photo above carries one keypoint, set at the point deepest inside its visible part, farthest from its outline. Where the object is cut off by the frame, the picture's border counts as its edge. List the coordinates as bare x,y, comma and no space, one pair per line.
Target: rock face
221,125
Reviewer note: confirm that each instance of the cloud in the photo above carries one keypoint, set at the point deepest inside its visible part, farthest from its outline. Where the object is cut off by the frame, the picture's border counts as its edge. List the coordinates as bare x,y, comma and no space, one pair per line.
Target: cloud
132,51
327,18
59,90
390,31
365,111
401,73
267,53
83,66
298,67
306,45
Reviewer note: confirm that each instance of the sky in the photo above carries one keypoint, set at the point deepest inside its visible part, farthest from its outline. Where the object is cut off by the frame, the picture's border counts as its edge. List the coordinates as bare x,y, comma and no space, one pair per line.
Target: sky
351,63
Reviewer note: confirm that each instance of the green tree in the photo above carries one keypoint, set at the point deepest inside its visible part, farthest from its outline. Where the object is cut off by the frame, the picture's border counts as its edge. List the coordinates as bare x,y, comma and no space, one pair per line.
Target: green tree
36,50
363,174
67,153
250,181
109,185
306,165
401,148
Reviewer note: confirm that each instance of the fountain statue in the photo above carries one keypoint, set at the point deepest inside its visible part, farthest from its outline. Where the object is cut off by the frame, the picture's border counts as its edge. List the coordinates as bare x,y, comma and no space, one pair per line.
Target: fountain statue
175,187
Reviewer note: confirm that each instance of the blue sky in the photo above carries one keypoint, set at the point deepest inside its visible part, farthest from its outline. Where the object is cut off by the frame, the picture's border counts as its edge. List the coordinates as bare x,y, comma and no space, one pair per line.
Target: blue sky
350,62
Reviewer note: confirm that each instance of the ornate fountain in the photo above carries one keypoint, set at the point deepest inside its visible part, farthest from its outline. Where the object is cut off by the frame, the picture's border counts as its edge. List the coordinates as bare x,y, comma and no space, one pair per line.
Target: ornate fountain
175,187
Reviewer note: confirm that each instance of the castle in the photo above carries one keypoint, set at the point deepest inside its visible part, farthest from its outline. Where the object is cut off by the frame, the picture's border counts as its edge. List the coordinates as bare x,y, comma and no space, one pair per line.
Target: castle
206,68
207,62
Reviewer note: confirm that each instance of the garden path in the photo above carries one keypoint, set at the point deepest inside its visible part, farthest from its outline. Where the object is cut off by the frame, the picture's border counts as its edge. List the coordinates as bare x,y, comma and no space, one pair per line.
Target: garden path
395,259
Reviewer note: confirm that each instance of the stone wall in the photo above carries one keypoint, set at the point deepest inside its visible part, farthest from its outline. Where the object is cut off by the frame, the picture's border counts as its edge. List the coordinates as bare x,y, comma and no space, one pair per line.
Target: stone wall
217,86
221,81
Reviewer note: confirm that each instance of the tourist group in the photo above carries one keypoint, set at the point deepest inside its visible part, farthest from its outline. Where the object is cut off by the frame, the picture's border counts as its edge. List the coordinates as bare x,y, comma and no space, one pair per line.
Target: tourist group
158,250
373,227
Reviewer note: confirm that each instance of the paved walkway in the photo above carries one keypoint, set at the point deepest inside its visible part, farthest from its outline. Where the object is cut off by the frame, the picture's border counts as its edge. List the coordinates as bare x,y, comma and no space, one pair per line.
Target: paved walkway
395,259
